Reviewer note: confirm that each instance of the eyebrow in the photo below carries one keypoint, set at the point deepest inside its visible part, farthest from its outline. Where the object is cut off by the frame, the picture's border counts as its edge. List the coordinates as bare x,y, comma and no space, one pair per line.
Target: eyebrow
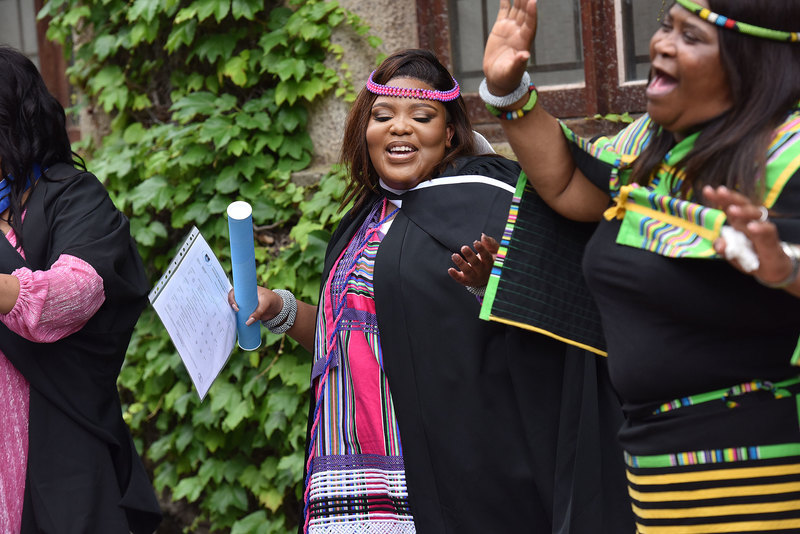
414,105
690,22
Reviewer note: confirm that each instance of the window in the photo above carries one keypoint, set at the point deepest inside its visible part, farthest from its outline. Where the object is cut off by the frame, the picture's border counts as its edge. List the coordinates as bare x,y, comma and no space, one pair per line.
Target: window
20,29
589,56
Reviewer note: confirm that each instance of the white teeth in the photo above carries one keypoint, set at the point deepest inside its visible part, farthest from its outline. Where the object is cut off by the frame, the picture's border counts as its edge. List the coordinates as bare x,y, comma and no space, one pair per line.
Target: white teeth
401,149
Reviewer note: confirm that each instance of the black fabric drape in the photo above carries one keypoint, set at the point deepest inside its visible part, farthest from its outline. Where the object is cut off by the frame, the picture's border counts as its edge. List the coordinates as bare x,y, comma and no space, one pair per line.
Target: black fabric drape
479,404
83,474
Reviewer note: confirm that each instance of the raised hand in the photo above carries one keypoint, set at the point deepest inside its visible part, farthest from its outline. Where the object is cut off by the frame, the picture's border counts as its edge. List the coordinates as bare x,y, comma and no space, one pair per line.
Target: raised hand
507,50
753,222
474,267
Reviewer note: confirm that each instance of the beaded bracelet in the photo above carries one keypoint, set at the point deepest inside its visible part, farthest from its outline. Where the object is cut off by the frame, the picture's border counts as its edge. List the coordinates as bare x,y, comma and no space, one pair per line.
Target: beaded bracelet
505,100
533,97
285,318
477,291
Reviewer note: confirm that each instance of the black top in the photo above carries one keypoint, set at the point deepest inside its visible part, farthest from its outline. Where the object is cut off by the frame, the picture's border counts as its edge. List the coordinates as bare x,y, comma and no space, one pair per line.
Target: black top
84,474
677,327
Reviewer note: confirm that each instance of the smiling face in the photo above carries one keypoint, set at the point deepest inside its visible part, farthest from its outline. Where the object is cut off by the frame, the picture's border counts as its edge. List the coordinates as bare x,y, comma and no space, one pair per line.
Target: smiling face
407,138
688,85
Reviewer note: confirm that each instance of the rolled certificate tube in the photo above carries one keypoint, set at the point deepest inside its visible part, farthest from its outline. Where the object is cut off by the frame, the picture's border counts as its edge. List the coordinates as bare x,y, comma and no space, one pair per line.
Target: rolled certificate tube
243,263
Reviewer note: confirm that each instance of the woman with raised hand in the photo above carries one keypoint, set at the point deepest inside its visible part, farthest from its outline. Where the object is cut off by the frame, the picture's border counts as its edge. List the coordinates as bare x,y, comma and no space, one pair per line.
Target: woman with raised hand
420,410
695,290
72,287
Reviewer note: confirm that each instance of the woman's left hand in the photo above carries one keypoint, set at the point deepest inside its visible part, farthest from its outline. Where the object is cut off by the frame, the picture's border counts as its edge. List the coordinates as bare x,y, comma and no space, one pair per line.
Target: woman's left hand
748,218
474,267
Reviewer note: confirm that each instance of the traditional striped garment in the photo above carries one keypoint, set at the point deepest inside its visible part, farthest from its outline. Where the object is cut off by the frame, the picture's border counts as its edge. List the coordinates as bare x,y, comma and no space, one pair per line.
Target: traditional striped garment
751,489
698,461
653,219
357,478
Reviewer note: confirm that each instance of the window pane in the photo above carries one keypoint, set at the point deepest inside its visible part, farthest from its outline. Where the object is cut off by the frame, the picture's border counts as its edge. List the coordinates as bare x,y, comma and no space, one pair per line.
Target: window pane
558,49
640,19
557,57
18,27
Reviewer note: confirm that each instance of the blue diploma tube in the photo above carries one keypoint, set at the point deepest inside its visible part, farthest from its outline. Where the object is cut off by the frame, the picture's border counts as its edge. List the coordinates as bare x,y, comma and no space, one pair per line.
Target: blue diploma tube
243,263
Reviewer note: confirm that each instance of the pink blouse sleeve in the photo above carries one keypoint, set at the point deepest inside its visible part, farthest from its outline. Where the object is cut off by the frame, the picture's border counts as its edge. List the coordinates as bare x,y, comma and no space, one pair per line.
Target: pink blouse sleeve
55,303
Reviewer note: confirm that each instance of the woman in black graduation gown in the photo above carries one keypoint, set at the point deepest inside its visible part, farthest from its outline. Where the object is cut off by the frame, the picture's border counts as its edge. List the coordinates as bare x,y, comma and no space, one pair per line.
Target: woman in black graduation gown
423,417
72,287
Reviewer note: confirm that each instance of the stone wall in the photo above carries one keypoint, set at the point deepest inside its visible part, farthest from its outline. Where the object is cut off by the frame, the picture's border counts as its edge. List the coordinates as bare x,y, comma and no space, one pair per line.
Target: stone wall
395,22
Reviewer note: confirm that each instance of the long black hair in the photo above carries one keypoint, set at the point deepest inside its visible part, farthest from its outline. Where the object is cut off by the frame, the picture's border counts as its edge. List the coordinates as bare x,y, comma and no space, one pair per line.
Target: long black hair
764,80
32,128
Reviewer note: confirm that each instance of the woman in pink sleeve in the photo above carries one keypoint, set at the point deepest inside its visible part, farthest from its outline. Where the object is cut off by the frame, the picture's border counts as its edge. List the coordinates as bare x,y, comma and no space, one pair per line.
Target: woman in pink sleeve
72,287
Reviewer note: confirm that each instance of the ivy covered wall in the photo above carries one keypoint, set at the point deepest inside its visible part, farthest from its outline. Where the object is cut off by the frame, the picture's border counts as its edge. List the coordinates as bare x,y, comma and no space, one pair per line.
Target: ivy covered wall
206,102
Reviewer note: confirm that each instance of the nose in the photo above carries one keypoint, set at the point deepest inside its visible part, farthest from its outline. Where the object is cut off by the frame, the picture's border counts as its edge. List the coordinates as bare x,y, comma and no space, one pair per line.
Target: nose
400,125
663,44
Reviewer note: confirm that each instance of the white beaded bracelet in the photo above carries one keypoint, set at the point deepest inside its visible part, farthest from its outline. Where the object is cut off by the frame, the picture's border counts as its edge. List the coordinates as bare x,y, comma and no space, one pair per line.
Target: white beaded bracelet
477,291
507,100
285,318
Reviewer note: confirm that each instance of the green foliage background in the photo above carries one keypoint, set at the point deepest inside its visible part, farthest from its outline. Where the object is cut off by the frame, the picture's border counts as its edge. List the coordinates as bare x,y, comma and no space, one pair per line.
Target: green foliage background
208,104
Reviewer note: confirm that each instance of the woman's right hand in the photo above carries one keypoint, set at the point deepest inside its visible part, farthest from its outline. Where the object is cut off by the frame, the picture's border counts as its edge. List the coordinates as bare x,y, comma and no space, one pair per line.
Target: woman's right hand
269,305
507,51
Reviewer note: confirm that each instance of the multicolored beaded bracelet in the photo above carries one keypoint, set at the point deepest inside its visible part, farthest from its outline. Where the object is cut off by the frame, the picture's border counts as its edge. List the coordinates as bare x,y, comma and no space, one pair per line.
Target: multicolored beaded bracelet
533,97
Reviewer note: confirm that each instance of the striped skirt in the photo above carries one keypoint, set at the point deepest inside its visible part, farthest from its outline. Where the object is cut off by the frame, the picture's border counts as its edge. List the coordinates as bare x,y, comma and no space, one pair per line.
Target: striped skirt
708,487
755,489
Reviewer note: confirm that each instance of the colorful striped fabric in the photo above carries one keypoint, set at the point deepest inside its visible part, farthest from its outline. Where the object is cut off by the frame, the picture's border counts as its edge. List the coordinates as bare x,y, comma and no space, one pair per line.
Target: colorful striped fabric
752,488
653,219
536,281
777,389
747,489
666,225
357,477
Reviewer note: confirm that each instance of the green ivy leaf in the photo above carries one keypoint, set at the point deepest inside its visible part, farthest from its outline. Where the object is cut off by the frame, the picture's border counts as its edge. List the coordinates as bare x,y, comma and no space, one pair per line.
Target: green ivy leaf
204,110
246,9
236,68
181,35
145,9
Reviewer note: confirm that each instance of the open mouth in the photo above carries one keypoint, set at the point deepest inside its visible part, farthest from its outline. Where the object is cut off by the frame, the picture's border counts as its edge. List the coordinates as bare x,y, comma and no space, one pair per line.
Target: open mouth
661,83
401,149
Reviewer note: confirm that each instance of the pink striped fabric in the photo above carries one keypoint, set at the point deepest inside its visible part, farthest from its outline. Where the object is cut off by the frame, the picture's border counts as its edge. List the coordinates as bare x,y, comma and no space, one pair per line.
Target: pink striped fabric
357,477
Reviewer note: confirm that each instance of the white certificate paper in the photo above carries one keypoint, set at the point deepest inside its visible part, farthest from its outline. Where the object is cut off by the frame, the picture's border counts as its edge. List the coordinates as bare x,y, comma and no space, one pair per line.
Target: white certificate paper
191,299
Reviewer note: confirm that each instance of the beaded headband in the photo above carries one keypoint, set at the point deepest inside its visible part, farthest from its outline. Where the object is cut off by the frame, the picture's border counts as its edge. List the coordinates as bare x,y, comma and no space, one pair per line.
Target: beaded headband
741,27
424,94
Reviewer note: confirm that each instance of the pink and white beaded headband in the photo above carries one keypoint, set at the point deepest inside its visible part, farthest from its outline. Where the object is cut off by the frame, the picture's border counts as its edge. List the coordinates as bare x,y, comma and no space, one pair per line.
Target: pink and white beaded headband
404,92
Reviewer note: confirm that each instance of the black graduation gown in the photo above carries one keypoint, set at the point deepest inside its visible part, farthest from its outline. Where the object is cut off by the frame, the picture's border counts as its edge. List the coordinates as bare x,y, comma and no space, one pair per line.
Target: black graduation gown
83,474
478,403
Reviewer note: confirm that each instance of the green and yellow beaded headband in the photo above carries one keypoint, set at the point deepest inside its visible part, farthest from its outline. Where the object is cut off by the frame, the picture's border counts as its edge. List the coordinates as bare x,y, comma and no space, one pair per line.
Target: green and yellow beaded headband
741,27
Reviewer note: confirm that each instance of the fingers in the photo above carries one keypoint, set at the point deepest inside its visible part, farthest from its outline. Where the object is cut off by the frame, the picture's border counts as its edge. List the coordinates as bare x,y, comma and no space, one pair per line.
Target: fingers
740,211
457,275
490,244
721,197
473,267
774,264
470,255
232,301
508,47
505,6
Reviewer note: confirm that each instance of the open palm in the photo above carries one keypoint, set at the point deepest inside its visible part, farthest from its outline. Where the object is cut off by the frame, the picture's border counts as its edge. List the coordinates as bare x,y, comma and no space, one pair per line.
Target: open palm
508,48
